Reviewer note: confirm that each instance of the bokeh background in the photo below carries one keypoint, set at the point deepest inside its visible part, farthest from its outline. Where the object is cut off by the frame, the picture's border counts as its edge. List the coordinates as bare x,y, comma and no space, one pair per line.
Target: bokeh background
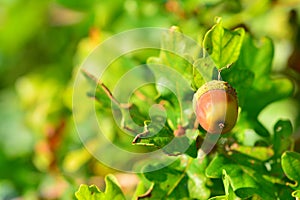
43,43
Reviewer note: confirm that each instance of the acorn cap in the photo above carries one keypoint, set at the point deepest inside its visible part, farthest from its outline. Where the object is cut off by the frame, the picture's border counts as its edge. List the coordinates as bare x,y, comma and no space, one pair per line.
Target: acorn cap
214,85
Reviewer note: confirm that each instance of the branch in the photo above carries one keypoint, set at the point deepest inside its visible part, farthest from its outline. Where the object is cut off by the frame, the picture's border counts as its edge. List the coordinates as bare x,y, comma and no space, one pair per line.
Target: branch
106,90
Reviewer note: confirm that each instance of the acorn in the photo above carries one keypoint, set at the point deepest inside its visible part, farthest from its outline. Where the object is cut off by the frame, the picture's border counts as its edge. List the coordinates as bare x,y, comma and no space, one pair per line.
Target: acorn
216,106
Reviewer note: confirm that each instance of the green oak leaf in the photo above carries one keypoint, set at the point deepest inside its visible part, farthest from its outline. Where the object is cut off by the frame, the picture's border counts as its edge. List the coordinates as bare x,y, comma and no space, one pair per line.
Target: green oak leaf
296,194
183,144
173,74
183,179
245,174
175,57
223,45
86,192
156,133
204,71
257,56
290,162
258,152
175,94
92,192
250,76
112,190
230,195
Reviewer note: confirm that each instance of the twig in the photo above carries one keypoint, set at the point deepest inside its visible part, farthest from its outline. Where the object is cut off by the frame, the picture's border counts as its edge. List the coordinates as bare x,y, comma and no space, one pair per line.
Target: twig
130,129
107,91
138,136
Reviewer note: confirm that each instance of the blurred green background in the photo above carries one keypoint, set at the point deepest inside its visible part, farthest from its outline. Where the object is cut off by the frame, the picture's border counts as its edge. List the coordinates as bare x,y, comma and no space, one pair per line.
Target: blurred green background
42,44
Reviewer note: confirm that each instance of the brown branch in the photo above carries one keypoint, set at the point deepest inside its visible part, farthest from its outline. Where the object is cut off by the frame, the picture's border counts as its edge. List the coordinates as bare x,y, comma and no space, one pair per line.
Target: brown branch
138,136
106,90
130,129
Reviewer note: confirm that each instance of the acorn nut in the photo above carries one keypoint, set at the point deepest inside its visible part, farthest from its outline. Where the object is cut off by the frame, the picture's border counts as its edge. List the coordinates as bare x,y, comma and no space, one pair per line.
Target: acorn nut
216,106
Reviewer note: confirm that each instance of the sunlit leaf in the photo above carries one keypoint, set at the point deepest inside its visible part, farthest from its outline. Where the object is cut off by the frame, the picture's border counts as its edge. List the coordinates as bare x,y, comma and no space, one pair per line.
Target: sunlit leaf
290,162
223,45
92,192
242,171
260,153
230,195
86,192
296,193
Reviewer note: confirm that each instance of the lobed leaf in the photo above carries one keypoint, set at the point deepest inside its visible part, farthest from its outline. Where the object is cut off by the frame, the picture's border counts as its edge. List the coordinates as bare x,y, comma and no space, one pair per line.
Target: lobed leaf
244,173
112,190
184,179
250,76
290,162
86,192
296,194
229,193
223,45
92,192
204,69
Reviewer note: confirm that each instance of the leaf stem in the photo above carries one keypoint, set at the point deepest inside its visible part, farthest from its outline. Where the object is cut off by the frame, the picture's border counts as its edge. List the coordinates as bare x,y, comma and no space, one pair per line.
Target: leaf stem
138,136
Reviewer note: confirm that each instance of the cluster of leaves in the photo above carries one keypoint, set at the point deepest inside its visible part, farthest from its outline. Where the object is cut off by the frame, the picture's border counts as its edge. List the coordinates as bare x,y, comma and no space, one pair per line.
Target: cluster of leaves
43,42
264,170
